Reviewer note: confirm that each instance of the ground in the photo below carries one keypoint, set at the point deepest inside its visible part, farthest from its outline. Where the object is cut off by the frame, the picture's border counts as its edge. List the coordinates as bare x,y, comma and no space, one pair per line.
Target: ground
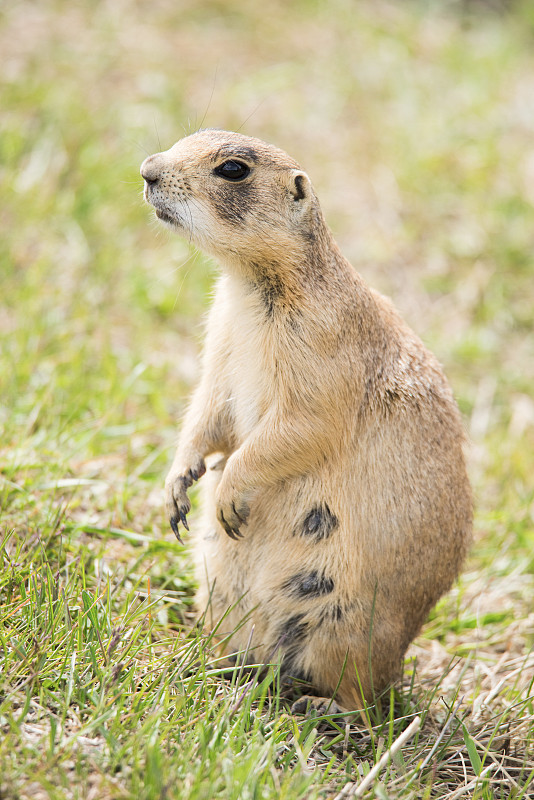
414,122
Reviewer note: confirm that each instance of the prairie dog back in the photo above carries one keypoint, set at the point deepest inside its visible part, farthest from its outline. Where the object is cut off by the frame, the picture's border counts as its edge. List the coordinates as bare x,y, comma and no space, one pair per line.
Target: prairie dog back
339,509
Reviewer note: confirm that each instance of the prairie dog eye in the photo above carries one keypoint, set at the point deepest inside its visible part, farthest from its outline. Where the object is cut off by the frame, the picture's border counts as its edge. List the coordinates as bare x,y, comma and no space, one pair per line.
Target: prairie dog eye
232,170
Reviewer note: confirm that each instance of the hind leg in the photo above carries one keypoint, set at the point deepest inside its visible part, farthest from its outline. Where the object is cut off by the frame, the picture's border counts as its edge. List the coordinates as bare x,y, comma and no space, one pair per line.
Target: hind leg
337,659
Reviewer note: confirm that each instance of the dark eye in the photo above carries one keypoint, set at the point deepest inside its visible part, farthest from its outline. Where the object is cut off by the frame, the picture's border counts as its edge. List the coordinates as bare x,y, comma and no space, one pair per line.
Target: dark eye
232,170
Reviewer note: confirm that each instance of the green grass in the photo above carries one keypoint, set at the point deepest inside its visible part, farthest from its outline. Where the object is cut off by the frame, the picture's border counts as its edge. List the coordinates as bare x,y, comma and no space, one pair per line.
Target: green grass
413,121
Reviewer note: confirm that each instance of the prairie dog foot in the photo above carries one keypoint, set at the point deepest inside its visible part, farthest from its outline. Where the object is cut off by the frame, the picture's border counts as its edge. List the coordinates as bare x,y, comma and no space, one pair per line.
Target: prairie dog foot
232,508
176,499
317,706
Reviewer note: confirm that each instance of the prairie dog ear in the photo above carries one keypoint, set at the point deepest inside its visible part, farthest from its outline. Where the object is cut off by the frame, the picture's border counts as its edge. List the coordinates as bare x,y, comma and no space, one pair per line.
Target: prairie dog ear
300,187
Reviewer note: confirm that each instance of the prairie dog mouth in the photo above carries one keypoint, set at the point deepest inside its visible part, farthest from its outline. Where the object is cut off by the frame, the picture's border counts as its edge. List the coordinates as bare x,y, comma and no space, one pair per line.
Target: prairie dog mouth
164,216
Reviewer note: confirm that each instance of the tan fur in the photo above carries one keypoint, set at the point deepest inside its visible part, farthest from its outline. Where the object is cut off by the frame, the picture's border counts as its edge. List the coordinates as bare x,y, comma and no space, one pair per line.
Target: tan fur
339,442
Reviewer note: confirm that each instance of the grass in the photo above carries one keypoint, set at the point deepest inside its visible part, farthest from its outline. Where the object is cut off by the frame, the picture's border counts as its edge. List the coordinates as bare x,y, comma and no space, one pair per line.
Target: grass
413,122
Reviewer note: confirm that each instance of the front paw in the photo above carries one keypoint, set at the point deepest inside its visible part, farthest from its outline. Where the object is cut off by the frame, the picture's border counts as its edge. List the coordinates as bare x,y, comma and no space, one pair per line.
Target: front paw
232,511
176,499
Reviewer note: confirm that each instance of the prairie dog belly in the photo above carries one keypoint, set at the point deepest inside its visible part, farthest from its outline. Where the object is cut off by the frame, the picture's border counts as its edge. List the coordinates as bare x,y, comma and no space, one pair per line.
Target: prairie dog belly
297,556
321,560
248,384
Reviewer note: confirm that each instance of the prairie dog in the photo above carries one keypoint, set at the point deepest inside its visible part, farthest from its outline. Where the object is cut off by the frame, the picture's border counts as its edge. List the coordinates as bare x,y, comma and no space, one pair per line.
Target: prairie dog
339,508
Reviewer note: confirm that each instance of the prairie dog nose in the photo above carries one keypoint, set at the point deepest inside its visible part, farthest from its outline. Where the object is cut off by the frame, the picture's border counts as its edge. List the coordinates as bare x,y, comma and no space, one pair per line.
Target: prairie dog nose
151,168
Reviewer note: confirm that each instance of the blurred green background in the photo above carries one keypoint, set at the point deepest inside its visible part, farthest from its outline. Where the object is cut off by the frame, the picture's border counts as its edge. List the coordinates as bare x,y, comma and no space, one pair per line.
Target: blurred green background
414,120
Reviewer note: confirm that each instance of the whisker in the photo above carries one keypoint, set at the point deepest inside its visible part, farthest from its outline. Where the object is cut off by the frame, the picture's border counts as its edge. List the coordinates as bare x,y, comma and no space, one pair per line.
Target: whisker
211,97
157,133
251,114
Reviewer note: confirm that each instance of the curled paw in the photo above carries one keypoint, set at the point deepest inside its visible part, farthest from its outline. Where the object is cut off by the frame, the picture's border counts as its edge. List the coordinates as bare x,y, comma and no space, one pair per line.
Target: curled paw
232,513
177,502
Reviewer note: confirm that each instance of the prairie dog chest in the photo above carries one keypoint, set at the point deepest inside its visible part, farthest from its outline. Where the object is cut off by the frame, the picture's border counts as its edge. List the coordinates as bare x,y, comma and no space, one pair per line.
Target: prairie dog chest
250,354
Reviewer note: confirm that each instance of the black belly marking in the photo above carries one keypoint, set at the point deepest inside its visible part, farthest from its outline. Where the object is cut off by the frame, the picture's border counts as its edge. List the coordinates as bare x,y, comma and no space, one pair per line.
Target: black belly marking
331,613
293,630
291,636
309,584
319,523
290,671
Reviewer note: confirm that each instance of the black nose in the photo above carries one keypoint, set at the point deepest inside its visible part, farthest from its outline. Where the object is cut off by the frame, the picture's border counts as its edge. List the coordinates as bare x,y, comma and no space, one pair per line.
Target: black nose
151,168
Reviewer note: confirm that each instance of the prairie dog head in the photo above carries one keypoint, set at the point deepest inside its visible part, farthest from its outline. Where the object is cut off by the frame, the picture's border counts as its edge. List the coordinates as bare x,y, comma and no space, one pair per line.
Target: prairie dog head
234,196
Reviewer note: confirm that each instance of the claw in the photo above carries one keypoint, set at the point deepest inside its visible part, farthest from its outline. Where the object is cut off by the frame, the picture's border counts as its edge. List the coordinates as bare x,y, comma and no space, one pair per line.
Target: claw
238,515
233,533
175,530
196,474
183,519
